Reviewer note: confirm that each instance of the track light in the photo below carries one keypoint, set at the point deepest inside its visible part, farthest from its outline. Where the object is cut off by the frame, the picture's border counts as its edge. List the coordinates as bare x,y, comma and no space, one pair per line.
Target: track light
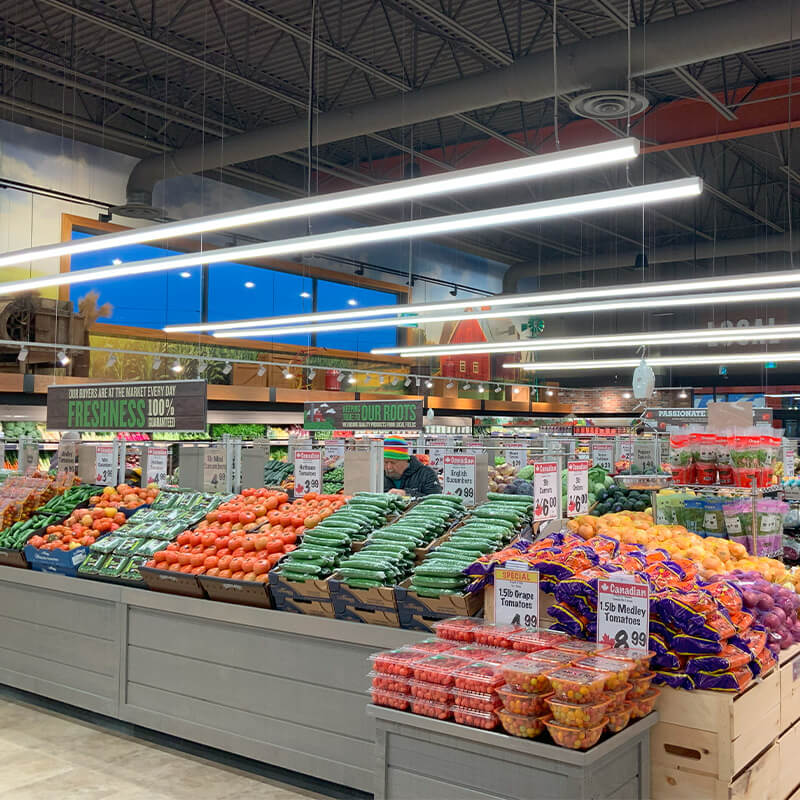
628,197
62,357
287,373
481,389
516,390
429,384
498,388
364,197
450,384
395,381
261,370
351,379
407,381
226,370
202,366
340,376
312,374
419,382
23,354
112,359
683,394
549,392
467,387
176,367
454,291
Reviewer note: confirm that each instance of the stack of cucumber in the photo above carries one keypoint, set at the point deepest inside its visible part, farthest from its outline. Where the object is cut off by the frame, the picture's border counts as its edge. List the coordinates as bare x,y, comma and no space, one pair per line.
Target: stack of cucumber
489,528
325,545
51,513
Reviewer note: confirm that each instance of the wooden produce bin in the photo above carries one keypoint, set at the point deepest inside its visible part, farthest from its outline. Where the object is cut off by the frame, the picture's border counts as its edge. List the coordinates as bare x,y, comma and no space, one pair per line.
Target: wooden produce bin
420,613
377,606
717,745
309,597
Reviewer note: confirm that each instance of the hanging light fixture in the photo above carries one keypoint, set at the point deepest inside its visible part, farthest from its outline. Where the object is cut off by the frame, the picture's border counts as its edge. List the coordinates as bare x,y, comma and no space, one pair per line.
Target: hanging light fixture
429,384
480,388
62,357
202,366
112,359
340,376
22,357
450,384
312,373
157,362
363,197
352,378
226,370
287,373
658,361
177,367
261,370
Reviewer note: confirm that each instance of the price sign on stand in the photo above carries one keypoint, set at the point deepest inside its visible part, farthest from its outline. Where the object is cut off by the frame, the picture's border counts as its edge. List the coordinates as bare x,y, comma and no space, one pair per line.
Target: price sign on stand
577,488
603,455
623,613
105,468
516,455
645,456
307,471
789,450
334,452
68,457
157,459
516,596
624,448
459,477
546,491
215,470
436,450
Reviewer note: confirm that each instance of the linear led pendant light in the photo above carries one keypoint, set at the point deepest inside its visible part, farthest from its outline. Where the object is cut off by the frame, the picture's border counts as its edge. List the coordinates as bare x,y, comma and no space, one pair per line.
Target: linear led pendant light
669,301
412,229
596,155
657,361
709,335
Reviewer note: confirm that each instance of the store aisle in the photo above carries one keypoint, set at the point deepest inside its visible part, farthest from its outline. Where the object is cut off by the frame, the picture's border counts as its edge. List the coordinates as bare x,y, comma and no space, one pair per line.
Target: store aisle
51,756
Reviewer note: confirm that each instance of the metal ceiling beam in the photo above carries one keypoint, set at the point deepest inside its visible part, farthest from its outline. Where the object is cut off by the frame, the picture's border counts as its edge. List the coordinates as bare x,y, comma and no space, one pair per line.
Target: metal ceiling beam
680,71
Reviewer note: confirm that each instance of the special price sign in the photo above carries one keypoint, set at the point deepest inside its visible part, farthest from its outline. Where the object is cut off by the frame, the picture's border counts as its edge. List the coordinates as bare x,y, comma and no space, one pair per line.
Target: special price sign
546,491
459,477
157,459
307,471
577,488
603,455
516,455
516,597
105,472
623,613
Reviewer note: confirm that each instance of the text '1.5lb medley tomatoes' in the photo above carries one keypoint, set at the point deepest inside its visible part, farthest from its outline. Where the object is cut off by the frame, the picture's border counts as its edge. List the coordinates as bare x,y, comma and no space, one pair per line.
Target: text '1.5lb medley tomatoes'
245,537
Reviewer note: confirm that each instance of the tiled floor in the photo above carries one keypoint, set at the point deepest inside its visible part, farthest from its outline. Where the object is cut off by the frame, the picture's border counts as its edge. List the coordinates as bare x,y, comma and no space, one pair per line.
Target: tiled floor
46,755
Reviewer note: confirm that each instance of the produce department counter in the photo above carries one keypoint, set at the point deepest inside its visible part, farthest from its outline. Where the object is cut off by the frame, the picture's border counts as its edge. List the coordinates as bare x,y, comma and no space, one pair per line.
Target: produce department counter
281,688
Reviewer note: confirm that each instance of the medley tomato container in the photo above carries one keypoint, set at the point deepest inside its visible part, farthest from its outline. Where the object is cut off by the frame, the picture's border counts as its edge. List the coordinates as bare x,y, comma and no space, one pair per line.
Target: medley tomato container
438,668
575,738
617,670
396,662
582,648
523,725
579,715
555,657
618,698
531,641
477,719
457,629
642,706
619,719
578,685
640,686
528,675
529,705
640,658
434,692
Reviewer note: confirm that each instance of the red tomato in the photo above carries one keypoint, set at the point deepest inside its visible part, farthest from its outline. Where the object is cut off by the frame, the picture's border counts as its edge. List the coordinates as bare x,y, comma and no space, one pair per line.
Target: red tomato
211,562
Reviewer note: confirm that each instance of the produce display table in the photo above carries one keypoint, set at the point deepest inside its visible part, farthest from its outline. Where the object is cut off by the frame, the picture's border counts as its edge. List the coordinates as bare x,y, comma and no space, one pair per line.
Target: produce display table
284,689
419,757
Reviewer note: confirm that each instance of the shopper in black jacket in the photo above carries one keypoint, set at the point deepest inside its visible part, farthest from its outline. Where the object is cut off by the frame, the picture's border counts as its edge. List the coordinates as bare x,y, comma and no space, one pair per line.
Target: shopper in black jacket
404,474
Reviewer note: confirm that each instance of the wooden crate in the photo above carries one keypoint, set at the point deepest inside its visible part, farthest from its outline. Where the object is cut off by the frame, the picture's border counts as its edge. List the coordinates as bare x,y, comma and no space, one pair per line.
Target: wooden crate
377,606
312,597
758,781
789,752
790,686
715,733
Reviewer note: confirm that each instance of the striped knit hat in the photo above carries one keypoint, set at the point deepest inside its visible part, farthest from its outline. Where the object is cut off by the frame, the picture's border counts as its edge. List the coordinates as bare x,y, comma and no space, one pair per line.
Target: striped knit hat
396,449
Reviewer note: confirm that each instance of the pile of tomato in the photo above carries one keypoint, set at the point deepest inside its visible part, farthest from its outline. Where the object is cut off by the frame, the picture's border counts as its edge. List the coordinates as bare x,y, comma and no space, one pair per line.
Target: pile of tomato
245,537
124,496
81,528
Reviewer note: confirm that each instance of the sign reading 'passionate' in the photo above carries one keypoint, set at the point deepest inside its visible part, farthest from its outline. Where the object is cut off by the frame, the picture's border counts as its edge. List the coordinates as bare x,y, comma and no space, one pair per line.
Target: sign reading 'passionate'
146,406
373,415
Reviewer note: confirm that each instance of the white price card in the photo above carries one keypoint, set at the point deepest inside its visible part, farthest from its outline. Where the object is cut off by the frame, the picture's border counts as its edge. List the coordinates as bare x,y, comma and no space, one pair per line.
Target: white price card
214,469
436,450
516,597
789,450
459,477
546,491
645,456
157,460
307,471
516,455
623,613
624,448
105,470
603,455
577,488
333,450
68,457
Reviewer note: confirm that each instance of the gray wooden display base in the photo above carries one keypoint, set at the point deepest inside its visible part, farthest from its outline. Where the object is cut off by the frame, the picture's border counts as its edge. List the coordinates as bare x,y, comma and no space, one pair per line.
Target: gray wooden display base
280,688
418,757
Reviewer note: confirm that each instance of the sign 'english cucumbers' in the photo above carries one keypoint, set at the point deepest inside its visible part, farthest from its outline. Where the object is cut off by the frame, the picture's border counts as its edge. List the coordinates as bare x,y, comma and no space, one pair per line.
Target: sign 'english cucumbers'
145,406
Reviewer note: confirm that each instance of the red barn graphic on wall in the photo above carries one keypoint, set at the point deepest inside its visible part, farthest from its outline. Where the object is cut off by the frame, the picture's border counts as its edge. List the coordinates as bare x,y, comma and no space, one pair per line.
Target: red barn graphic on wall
476,366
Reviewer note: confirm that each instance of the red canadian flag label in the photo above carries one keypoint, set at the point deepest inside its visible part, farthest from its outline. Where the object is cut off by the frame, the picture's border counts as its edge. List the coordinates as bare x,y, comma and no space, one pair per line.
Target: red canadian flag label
546,491
623,613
